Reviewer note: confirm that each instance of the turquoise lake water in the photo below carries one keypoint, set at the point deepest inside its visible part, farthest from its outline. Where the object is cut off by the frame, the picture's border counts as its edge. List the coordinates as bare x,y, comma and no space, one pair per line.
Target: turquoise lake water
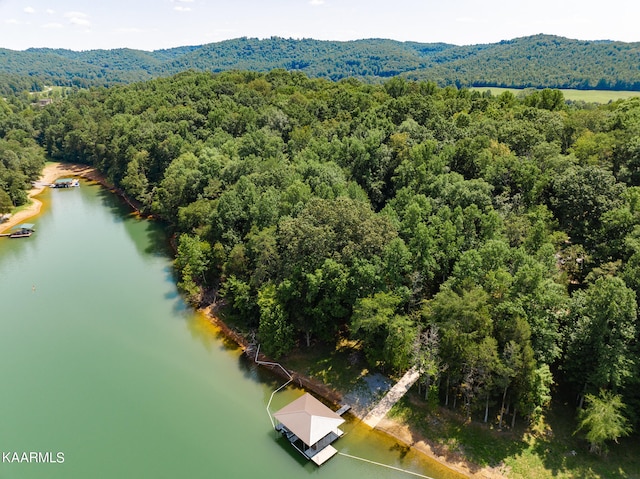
103,363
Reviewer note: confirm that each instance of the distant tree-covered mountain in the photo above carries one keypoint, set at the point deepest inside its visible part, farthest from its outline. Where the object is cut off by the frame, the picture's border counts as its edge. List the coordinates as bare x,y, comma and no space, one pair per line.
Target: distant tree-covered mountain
535,61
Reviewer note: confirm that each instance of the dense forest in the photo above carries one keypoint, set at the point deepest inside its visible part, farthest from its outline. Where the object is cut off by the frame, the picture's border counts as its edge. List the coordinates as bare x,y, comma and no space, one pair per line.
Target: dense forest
493,241
538,61
21,158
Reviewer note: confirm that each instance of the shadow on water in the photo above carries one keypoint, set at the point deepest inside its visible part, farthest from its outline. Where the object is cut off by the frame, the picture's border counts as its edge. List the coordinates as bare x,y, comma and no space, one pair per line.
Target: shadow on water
151,240
225,342
401,449
203,331
153,243
288,448
253,371
156,240
305,464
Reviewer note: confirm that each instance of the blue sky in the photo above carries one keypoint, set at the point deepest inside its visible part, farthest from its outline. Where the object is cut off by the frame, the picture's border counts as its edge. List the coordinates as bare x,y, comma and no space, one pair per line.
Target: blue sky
155,24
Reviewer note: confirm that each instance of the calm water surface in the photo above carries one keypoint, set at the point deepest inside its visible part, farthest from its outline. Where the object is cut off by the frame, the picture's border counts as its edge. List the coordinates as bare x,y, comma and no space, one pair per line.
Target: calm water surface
102,361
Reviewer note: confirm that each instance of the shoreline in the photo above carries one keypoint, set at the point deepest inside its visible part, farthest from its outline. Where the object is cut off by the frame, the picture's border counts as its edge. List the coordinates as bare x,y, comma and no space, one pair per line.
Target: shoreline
50,173
393,428
398,430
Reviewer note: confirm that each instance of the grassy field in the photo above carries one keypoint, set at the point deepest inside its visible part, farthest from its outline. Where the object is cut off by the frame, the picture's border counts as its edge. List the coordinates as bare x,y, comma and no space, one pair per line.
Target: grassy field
55,92
549,450
589,96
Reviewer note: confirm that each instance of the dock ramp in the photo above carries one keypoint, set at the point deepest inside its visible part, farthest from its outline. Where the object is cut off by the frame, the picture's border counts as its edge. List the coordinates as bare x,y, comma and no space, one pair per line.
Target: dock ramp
393,396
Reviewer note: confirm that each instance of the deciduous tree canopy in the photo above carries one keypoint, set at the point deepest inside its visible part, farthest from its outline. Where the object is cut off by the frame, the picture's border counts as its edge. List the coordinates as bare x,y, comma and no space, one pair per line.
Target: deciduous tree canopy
492,240
539,61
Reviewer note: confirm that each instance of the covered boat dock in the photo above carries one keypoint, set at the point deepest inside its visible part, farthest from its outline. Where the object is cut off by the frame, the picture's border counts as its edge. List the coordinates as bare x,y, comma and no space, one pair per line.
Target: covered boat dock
21,231
65,183
310,427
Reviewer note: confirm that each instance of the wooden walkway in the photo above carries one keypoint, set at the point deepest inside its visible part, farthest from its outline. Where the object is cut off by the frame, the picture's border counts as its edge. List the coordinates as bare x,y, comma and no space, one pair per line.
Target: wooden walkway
324,455
343,410
393,396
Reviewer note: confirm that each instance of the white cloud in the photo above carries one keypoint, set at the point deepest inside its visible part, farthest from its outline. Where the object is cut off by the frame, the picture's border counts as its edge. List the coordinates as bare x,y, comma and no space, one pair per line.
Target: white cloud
316,3
53,25
29,10
182,8
50,11
15,21
78,18
83,22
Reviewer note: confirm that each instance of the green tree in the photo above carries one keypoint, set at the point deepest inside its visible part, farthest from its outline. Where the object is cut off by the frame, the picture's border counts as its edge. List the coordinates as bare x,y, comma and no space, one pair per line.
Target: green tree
275,332
603,420
135,182
599,354
579,198
5,202
240,298
547,99
192,260
370,321
388,336
181,184
466,345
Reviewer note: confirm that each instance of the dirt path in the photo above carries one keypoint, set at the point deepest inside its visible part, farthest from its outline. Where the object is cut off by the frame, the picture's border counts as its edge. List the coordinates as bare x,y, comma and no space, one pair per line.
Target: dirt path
50,173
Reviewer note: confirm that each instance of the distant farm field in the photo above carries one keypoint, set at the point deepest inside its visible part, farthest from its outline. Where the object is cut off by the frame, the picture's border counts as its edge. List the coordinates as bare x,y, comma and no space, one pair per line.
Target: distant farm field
589,96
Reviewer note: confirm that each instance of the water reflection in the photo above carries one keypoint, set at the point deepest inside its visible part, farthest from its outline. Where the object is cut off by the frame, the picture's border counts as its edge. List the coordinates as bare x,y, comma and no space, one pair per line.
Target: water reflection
107,363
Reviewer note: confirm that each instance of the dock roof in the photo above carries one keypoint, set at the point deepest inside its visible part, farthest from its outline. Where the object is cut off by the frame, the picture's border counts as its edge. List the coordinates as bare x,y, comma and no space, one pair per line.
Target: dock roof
24,226
308,419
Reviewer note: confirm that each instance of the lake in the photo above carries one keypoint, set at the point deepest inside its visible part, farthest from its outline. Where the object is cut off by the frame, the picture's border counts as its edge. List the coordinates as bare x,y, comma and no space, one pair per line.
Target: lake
104,364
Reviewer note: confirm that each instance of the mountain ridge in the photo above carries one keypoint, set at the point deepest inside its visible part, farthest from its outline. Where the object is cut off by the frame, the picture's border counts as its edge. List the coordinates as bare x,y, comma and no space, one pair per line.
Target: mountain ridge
544,61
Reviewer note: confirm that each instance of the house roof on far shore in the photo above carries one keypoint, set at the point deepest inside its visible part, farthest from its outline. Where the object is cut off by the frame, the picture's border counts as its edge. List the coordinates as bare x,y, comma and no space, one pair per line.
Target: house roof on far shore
308,419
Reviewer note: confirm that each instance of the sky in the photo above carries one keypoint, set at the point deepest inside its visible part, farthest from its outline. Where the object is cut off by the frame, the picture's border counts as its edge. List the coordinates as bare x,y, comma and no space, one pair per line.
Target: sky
157,24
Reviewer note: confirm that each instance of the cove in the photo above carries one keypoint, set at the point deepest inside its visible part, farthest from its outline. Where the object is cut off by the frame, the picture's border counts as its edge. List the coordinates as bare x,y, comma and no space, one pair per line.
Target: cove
102,361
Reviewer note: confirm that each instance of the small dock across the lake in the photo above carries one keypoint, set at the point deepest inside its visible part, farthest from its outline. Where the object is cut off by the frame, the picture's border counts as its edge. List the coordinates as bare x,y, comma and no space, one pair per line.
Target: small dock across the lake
65,183
21,231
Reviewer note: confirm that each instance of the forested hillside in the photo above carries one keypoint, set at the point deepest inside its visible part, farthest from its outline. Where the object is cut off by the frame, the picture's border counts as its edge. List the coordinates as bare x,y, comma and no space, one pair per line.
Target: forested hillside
541,61
493,241
21,158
